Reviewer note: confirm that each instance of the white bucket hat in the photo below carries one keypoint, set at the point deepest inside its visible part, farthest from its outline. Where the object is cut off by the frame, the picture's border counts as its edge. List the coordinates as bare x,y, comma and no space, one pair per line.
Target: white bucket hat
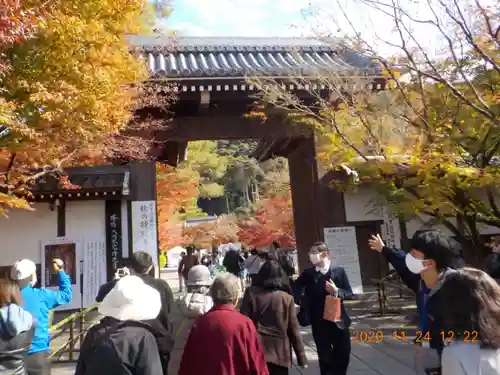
199,276
22,269
131,299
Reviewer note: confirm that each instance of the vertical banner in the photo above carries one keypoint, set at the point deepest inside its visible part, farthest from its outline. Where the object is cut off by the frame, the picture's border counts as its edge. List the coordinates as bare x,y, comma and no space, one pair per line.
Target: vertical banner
343,246
114,253
391,231
94,270
144,231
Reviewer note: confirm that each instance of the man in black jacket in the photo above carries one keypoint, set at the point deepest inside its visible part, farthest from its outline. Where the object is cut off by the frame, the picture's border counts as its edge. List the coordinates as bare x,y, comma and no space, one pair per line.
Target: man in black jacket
141,263
332,339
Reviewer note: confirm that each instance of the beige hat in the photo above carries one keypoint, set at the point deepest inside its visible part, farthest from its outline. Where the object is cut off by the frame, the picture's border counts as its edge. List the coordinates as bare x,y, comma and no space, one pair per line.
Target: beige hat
131,299
199,276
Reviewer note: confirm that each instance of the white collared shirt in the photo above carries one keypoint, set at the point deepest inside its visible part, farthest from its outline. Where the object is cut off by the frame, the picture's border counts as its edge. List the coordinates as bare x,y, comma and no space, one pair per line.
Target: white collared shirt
325,268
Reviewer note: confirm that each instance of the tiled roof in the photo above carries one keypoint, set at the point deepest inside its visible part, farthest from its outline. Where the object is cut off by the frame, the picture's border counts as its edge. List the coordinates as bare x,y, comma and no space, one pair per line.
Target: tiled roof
82,185
202,58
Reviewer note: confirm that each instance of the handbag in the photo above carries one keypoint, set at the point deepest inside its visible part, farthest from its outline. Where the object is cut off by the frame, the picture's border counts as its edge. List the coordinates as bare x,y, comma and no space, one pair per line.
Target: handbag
332,311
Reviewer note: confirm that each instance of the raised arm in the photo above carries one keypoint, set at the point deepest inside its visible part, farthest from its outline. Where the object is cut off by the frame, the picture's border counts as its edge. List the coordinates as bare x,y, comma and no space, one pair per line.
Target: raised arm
62,296
396,257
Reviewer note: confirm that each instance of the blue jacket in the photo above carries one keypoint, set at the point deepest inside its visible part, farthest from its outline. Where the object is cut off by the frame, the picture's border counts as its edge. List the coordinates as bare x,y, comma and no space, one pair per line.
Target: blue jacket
39,302
432,326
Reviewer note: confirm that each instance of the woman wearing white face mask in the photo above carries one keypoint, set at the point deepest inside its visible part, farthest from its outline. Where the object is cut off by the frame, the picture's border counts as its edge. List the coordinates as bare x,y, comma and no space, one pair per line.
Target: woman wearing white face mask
332,338
431,260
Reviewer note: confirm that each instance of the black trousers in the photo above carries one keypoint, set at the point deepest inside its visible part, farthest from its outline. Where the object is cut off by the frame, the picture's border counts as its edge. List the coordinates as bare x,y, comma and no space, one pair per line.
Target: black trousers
37,364
164,359
334,347
276,370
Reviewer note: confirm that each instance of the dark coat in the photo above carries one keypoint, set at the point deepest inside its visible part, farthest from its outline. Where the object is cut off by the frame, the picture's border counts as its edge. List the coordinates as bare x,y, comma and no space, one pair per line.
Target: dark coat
275,318
492,265
13,351
119,348
427,299
162,324
310,288
233,262
223,342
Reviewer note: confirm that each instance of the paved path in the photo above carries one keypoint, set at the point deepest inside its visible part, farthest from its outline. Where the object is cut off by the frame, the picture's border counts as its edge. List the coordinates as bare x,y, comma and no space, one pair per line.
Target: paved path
387,357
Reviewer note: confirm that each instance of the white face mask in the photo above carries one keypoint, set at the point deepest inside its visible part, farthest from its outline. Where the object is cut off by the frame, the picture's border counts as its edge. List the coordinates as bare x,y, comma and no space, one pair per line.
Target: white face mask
414,265
315,258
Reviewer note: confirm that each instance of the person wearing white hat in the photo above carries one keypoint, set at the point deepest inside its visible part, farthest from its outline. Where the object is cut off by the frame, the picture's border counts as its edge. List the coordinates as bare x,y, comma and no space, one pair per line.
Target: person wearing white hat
38,302
196,302
121,343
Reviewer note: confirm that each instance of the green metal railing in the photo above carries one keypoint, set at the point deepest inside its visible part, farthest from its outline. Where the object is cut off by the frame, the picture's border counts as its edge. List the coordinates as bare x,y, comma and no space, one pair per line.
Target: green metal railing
74,325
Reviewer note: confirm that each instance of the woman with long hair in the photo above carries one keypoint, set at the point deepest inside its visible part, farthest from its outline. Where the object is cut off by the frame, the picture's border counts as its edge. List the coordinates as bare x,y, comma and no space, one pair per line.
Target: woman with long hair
16,329
273,312
471,312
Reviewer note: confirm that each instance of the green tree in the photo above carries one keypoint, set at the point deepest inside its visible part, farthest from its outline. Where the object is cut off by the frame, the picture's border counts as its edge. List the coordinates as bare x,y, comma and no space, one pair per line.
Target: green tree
431,145
203,159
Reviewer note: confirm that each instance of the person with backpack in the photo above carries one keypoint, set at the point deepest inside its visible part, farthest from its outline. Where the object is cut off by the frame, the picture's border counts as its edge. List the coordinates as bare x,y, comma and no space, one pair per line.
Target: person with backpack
38,302
121,343
16,330
140,264
196,302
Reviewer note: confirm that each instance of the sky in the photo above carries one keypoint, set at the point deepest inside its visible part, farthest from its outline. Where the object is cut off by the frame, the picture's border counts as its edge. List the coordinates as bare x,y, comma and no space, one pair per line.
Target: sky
237,17
294,18
278,18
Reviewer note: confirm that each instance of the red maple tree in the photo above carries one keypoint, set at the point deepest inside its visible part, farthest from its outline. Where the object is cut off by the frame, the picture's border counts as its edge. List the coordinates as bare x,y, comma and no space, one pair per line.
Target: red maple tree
175,188
272,221
223,230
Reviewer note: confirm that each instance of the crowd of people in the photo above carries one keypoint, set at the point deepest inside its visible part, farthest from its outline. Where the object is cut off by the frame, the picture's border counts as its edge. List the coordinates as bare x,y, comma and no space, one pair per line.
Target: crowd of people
221,327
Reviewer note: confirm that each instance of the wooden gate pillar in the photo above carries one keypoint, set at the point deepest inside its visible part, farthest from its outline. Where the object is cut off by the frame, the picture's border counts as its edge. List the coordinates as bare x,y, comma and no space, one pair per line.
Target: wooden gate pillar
304,182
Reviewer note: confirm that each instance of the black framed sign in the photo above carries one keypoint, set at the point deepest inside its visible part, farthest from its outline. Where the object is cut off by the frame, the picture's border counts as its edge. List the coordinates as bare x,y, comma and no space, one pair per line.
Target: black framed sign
114,241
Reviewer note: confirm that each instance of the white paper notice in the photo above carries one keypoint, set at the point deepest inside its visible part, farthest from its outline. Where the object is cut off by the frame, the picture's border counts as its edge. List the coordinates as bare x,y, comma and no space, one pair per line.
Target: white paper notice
343,246
144,235
391,231
94,270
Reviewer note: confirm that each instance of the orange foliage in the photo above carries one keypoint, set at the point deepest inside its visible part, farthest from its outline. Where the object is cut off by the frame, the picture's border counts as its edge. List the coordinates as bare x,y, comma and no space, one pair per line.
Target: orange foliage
273,221
220,231
175,188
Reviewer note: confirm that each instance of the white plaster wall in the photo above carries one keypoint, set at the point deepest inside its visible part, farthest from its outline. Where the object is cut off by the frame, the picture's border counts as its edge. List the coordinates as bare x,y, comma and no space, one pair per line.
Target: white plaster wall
22,231
359,206
85,221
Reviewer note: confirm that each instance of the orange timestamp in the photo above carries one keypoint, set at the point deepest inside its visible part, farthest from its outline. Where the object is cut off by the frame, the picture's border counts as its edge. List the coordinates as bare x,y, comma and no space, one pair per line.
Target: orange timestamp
444,336
374,336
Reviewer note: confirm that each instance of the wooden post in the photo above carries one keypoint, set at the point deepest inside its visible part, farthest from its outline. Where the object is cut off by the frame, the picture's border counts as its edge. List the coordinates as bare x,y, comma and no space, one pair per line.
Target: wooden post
303,181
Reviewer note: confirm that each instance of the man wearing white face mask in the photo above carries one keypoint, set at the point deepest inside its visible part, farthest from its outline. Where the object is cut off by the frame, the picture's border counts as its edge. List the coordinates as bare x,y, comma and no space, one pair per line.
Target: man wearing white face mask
423,270
332,339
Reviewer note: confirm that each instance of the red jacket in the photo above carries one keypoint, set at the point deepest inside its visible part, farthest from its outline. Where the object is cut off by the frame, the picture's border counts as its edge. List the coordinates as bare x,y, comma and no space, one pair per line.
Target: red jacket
223,342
